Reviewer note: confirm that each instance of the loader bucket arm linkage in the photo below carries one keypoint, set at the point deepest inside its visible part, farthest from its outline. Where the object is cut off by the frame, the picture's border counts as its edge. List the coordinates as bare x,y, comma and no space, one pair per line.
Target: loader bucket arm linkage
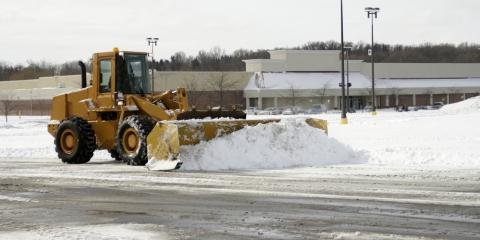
164,141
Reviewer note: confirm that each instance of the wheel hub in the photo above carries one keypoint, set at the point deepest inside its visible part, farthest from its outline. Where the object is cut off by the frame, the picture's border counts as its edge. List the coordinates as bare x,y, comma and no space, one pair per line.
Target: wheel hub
130,141
68,141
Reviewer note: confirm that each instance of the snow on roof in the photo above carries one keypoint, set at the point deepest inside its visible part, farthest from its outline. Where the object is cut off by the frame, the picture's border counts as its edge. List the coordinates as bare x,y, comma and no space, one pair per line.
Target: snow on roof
278,81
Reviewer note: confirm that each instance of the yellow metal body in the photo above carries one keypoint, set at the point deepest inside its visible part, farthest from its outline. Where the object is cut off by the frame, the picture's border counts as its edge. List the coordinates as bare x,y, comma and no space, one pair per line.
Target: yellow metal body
103,111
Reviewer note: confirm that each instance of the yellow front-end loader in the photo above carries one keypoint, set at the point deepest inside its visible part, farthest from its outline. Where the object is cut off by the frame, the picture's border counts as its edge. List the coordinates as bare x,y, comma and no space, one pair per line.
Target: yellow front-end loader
118,111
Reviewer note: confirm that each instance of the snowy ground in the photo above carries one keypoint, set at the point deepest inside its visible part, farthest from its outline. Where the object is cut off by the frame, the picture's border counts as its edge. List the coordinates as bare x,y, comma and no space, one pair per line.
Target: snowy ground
394,176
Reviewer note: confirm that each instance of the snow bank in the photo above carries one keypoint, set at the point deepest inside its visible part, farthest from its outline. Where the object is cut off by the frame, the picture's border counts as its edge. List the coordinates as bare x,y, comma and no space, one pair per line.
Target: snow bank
28,138
97,232
422,139
289,143
471,105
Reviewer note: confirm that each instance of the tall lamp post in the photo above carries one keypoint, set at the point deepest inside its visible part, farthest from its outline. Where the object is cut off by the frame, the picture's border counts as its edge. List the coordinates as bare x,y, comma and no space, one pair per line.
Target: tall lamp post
343,119
373,13
152,42
347,52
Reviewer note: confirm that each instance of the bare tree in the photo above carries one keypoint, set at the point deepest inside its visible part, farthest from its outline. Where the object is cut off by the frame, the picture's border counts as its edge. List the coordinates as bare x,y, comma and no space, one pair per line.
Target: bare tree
293,95
429,92
7,105
369,96
321,92
222,84
452,92
395,92
192,88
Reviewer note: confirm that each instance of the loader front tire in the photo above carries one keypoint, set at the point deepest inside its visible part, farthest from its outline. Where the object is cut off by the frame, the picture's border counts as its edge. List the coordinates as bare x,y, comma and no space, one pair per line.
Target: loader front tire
114,154
75,141
132,139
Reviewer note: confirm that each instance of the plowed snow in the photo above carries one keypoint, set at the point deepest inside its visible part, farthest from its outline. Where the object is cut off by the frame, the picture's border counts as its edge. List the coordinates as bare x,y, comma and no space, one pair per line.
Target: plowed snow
289,143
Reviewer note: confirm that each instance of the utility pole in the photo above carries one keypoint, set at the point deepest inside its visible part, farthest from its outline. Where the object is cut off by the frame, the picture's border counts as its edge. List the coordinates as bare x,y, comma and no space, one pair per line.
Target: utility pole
152,42
343,119
347,52
371,13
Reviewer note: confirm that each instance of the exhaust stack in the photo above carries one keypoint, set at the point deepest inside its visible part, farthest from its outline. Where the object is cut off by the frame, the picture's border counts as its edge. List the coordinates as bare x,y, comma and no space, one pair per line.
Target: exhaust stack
84,74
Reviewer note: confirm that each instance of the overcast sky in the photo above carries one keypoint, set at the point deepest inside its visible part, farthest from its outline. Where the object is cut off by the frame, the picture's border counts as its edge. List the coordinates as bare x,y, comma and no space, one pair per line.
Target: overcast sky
59,30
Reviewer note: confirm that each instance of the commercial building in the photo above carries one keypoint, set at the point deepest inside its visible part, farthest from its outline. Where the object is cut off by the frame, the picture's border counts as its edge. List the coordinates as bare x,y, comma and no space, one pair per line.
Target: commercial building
288,78
305,78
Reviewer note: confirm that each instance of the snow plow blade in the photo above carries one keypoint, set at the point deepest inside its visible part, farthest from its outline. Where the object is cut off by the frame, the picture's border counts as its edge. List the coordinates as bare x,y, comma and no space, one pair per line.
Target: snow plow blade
164,141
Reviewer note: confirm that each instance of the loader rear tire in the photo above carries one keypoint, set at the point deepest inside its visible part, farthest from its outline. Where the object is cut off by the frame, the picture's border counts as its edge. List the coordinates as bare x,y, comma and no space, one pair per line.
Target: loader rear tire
132,139
75,141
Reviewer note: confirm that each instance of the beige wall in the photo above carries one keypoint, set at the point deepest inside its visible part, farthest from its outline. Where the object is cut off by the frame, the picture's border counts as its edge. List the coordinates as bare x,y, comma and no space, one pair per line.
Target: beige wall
71,81
265,65
355,65
200,81
278,55
422,70
311,61
297,60
47,87
329,61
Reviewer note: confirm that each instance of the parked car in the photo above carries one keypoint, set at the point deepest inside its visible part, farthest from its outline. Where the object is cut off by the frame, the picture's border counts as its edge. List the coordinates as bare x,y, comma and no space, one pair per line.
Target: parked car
317,109
277,111
251,111
368,108
402,108
298,110
420,108
288,111
437,105
266,111
293,111
270,111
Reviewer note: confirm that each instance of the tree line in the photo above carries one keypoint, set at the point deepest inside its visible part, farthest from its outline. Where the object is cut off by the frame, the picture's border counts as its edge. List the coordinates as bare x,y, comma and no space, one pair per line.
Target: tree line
216,59
34,70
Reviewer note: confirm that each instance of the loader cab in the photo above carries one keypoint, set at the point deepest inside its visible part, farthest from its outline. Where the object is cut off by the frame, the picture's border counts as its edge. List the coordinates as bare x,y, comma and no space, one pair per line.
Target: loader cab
132,74
119,72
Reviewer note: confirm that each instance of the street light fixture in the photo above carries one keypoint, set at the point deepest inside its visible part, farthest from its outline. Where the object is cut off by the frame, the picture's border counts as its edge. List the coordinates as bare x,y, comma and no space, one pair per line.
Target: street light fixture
152,42
343,119
373,13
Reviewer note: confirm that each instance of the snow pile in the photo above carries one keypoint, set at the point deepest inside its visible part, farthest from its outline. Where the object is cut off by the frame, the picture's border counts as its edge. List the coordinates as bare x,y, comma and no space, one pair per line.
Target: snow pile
471,105
289,143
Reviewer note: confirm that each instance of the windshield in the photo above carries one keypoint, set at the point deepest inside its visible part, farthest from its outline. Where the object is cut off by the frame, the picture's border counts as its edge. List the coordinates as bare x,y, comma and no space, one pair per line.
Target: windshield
134,77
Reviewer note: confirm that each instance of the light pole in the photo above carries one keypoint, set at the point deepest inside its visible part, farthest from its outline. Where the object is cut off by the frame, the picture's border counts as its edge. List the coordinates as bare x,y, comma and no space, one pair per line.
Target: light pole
373,13
152,42
343,119
347,51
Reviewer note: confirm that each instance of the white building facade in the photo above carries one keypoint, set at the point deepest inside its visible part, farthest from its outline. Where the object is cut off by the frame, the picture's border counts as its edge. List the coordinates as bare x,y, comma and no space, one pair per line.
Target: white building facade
305,78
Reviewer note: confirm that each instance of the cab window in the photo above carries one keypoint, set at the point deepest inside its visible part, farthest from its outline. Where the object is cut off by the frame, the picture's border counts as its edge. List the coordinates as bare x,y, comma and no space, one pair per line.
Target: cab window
105,75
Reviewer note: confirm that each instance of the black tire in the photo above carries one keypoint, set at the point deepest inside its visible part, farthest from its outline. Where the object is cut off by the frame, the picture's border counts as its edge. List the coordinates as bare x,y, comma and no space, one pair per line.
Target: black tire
75,141
114,154
135,153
